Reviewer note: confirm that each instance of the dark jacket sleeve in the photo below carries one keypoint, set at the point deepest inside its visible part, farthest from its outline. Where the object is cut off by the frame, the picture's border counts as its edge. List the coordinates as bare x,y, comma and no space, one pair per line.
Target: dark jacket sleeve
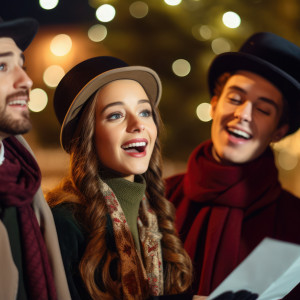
72,245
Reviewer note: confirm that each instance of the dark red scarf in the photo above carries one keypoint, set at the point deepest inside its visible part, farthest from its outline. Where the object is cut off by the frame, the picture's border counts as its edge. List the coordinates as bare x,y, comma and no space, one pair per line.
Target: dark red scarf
215,200
20,179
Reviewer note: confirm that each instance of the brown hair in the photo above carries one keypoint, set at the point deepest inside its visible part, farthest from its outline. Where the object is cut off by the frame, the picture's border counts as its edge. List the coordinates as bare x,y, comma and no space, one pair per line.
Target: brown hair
82,187
219,86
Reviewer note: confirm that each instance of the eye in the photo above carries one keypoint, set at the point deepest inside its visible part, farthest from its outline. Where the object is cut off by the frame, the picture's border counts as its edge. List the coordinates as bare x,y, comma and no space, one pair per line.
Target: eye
3,67
146,113
234,98
114,116
264,111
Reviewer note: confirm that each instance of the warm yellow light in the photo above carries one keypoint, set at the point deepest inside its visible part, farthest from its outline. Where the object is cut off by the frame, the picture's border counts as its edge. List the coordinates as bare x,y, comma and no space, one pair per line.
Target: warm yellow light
203,112
48,4
181,67
97,33
205,32
53,75
61,45
38,100
138,9
220,45
231,19
172,2
105,13
287,160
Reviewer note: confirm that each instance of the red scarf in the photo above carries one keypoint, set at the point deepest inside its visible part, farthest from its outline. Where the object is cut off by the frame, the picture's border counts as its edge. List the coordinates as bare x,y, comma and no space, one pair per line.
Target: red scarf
20,179
218,199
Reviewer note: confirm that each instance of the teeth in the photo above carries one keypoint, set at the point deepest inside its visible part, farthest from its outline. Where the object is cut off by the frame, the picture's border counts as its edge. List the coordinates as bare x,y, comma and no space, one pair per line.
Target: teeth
133,145
240,133
18,102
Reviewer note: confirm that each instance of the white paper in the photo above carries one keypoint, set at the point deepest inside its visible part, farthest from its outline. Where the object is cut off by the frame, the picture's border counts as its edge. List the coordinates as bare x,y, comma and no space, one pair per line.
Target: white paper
271,270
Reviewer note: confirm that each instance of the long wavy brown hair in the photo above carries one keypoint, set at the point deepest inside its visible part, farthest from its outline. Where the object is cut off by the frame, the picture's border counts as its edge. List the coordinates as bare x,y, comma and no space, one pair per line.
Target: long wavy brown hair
82,187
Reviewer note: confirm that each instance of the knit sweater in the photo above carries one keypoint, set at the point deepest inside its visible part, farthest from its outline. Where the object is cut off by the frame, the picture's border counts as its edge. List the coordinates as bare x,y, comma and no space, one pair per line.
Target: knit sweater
129,195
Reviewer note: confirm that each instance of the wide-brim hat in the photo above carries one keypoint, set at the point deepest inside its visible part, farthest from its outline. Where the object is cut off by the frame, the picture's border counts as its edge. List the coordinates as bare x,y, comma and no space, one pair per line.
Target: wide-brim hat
271,57
22,31
83,80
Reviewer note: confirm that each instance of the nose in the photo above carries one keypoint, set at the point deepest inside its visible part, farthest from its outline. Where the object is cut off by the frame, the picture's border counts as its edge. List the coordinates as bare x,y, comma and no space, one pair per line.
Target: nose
22,80
244,112
135,124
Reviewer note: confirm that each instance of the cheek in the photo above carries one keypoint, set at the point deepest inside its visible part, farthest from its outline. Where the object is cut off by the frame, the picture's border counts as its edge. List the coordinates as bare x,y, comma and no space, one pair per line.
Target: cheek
104,140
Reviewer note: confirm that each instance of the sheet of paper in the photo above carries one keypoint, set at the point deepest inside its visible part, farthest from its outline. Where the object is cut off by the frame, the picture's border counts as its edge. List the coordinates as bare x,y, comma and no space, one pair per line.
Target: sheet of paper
271,270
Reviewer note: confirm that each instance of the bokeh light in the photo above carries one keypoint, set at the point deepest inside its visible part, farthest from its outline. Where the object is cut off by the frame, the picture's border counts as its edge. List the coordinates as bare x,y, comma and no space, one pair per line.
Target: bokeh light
61,45
48,4
181,67
53,75
286,160
105,13
138,9
231,19
203,112
220,45
38,100
172,2
97,33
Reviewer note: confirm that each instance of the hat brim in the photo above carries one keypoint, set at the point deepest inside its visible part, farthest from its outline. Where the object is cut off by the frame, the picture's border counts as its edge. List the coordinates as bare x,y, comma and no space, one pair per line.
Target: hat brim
234,61
22,31
148,79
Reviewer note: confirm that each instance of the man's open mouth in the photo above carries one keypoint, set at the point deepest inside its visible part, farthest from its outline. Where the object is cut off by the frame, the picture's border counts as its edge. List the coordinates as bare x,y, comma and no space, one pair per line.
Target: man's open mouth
17,103
239,133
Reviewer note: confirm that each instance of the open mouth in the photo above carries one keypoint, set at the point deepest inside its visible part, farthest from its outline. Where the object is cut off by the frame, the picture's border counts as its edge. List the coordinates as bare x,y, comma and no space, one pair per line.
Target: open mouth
17,103
239,133
135,147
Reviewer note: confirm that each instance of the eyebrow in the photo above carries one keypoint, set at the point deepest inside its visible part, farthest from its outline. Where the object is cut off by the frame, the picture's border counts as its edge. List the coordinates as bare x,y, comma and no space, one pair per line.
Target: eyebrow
264,99
123,104
9,53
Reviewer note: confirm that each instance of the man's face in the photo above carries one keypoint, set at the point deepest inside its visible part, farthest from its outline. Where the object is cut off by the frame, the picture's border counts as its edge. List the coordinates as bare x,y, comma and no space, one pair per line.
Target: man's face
245,118
14,90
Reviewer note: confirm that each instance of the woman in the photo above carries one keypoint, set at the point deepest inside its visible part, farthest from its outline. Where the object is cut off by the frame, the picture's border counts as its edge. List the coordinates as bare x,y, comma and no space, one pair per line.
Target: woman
116,229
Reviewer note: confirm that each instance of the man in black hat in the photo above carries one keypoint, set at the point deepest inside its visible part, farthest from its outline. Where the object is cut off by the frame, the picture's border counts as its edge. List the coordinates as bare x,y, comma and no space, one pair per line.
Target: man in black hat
230,197
31,264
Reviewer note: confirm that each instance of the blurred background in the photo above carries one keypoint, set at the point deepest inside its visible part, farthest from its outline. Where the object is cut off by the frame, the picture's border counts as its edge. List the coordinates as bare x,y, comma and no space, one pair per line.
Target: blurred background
177,38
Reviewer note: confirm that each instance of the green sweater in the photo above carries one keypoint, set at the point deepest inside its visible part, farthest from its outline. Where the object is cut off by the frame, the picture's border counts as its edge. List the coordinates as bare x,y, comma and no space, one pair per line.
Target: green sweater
129,195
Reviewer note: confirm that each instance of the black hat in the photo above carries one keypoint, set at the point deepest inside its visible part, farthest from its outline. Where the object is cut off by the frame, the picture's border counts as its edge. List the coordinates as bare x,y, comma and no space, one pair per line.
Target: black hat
83,80
22,31
272,57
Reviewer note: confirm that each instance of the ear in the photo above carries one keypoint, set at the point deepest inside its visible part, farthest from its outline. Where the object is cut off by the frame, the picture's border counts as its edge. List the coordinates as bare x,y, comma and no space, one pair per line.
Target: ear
213,103
280,133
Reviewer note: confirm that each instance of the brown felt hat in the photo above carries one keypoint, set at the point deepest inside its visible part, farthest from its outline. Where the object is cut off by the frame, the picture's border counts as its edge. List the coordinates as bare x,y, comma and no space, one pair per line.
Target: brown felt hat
83,80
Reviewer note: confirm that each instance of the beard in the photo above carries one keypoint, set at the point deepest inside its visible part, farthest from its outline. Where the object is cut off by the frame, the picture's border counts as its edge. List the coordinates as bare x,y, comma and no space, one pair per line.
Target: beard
12,126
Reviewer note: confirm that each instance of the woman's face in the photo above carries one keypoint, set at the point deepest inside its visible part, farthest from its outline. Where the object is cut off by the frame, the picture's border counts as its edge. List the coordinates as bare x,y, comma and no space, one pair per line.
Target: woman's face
125,131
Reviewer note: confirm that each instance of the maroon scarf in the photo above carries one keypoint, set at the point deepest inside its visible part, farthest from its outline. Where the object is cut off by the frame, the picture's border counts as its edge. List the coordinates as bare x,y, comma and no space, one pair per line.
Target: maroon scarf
20,179
218,199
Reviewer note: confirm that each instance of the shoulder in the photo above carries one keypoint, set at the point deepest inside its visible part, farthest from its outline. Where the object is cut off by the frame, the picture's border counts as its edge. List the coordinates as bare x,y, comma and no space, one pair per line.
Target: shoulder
70,232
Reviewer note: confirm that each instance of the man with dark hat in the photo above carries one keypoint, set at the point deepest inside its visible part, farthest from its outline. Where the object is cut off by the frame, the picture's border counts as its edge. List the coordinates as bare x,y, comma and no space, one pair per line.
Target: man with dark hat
30,259
230,197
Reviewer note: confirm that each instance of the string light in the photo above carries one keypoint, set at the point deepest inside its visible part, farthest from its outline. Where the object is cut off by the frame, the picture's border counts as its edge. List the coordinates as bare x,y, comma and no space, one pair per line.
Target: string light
181,67
53,75
203,112
61,45
172,2
231,19
97,33
48,4
38,100
105,13
138,9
